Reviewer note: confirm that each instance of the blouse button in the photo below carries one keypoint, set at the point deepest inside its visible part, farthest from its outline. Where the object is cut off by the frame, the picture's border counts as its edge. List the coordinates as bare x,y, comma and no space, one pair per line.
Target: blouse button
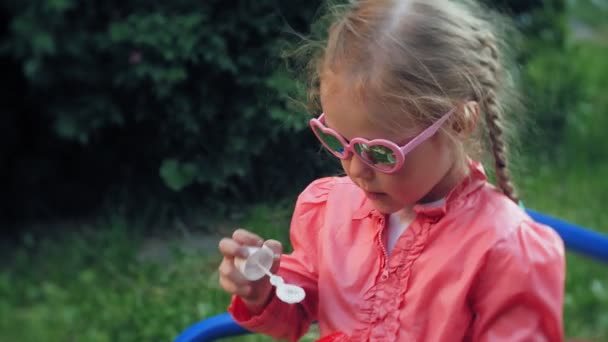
384,275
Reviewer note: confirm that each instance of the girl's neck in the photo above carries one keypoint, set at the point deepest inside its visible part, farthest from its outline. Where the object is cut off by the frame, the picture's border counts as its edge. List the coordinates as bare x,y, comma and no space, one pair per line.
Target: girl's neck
455,175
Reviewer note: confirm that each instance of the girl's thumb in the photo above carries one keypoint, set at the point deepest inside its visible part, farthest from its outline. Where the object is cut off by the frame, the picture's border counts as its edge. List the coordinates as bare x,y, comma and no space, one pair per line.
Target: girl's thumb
277,249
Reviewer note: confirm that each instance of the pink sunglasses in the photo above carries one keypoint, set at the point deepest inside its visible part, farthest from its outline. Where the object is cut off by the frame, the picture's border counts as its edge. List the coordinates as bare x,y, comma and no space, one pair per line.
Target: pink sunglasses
380,154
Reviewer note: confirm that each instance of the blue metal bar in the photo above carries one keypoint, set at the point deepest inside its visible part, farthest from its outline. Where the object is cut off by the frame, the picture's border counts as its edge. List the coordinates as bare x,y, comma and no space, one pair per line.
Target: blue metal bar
576,238
211,329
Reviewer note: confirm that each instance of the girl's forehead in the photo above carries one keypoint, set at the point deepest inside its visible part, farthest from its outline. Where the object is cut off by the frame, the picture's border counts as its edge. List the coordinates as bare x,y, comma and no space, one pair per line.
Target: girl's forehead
348,118
351,116
358,124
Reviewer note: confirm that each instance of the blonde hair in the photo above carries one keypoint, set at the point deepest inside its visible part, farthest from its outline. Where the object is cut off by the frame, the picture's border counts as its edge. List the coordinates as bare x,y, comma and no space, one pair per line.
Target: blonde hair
423,57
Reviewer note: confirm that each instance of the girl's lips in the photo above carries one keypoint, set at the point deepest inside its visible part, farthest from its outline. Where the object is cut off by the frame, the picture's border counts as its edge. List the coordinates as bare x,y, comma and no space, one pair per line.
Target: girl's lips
374,195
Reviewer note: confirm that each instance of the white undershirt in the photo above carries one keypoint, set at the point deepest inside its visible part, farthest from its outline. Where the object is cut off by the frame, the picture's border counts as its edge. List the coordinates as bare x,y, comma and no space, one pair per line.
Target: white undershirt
399,221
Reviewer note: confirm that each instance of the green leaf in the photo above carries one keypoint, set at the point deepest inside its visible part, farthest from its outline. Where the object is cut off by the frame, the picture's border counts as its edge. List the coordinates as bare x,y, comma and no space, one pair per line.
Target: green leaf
59,5
66,127
178,175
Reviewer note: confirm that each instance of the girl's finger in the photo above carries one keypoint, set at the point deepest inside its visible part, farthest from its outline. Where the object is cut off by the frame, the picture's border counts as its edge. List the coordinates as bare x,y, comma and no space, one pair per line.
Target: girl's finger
277,249
234,289
247,238
231,249
228,271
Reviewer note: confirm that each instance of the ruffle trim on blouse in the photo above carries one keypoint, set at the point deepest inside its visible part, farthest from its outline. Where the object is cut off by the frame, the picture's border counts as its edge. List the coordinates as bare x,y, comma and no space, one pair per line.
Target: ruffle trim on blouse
380,307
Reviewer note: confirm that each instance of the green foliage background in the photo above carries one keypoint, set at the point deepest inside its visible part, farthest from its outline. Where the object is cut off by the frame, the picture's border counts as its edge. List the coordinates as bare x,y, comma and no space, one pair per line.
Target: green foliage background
139,92
133,99
106,104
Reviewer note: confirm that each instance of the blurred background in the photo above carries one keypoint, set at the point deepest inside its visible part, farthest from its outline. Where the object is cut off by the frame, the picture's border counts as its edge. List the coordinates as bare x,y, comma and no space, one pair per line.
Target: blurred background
134,134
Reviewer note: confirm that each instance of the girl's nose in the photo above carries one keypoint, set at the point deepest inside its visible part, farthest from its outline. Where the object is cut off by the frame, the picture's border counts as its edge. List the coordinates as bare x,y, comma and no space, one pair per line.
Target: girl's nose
357,168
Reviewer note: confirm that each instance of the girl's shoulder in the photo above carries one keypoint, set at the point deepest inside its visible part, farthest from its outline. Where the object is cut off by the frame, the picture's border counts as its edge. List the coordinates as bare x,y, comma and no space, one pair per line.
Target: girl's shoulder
326,204
337,197
504,225
495,209
331,189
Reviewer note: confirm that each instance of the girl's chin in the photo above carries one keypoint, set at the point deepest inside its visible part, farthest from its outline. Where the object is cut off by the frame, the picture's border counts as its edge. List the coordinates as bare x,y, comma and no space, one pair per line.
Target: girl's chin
376,196
385,204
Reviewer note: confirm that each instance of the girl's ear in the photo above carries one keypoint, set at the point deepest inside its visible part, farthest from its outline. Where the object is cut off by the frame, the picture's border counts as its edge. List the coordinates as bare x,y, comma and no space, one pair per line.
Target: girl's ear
467,120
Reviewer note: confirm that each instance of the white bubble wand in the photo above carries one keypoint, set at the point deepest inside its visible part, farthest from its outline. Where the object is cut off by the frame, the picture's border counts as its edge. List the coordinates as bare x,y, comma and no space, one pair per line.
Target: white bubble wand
258,262
287,293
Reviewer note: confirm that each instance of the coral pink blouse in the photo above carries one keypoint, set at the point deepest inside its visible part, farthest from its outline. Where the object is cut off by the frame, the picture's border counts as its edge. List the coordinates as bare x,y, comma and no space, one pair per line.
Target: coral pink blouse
475,269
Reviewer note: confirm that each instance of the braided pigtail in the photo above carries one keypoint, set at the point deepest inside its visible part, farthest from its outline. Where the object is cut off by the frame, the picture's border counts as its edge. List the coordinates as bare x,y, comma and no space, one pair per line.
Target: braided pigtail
490,79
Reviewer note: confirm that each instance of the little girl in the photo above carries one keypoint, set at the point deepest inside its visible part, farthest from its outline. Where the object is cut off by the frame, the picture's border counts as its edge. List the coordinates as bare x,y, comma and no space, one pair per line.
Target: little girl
415,244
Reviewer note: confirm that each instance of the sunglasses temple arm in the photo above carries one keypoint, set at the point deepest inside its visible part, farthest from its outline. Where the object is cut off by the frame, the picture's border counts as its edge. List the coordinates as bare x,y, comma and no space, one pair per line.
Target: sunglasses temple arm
427,133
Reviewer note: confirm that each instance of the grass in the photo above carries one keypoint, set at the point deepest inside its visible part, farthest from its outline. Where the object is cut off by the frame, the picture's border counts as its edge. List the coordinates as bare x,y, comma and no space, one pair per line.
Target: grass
90,284
578,195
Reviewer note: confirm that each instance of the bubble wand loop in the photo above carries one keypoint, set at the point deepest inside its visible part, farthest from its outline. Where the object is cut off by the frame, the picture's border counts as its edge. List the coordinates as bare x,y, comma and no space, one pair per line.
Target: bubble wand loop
287,293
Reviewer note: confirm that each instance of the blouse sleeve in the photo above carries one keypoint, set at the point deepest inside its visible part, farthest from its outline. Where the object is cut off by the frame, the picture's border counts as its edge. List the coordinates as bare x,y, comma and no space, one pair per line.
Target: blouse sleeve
280,320
519,295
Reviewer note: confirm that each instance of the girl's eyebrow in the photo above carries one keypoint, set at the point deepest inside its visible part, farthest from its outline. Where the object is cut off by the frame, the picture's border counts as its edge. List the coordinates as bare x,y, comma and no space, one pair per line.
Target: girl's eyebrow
343,137
338,133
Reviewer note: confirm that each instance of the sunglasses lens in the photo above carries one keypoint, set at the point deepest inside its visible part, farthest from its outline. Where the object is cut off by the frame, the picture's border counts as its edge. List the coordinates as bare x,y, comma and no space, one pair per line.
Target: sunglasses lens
330,141
380,156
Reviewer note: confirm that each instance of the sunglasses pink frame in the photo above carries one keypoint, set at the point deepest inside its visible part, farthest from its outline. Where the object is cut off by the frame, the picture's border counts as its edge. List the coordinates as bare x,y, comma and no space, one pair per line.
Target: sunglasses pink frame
399,151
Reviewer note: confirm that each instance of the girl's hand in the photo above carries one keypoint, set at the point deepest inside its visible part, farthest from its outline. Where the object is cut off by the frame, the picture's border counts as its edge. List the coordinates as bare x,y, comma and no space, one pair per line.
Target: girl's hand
255,294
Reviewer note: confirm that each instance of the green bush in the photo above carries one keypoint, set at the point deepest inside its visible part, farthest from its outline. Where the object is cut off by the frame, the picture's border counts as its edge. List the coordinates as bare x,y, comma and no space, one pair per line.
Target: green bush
191,91
565,99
